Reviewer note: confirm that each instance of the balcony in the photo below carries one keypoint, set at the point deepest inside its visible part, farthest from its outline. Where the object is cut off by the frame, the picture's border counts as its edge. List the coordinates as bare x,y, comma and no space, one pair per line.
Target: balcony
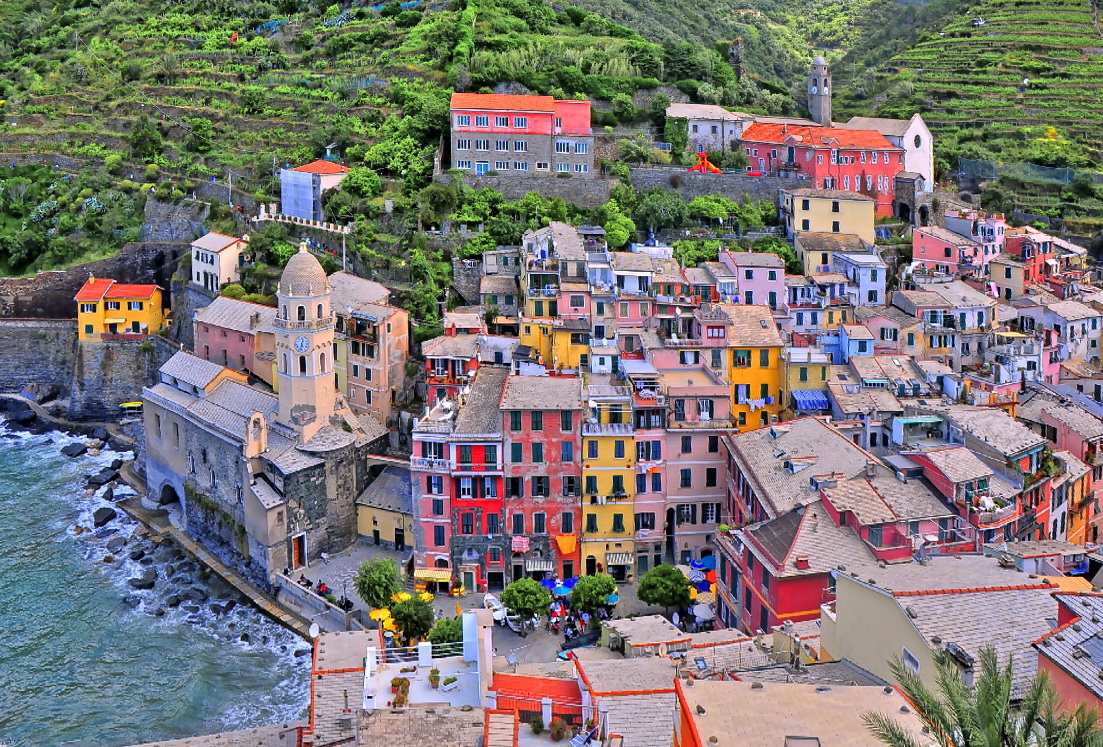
602,500
444,378
430,464
995,518
476,467
539,264
545,292
607,429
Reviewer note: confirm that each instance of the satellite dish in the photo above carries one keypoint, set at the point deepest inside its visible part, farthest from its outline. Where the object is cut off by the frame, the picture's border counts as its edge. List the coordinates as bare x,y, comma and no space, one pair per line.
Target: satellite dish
315,631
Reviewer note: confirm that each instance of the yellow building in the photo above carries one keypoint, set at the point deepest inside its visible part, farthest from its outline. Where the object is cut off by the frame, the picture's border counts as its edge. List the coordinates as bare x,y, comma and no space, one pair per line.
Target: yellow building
384,511
106,308
803,370
1008,274
828,211
753,365
608,483
559,343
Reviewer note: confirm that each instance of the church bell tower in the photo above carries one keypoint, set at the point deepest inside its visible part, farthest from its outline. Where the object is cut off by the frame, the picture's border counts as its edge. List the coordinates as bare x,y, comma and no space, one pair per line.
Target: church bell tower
304,345
819,92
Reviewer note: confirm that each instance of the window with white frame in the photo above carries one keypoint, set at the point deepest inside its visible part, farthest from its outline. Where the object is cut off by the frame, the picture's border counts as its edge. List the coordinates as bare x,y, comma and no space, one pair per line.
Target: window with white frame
869,181
112,305
463,120
501,121
520,122
581,168
482,120
501,165
520,166
863,156
541,165
581,147
563,168
88,308
482,145
463,164
835,156
911,663
520,146
463,144
562,146
501,145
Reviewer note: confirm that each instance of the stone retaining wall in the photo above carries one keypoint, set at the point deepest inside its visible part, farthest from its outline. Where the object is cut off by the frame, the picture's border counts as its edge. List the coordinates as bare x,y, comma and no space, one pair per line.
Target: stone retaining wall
106,374
690,184
39,351
575,190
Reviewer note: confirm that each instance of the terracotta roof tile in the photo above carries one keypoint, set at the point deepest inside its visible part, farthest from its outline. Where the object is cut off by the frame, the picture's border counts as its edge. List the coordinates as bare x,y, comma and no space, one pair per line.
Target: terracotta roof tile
502,102
818,137
322,167
94,289
119,290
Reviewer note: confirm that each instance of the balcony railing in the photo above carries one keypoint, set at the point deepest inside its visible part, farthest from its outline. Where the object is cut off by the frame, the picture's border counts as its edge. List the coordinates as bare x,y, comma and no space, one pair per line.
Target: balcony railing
306,324
606,429
998,517
430,464
601,500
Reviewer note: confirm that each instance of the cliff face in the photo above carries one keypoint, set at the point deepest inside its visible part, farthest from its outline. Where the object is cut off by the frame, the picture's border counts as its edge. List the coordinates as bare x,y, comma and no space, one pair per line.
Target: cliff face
106,374
37,351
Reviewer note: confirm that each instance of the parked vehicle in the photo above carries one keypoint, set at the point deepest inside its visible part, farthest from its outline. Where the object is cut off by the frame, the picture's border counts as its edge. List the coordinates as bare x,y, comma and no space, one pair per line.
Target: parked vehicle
581,641
496,608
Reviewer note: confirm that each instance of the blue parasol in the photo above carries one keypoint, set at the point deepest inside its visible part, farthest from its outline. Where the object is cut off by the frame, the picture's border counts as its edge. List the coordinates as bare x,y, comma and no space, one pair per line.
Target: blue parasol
703,586
612,599
570,582
561,591
548,583
709,562
696,564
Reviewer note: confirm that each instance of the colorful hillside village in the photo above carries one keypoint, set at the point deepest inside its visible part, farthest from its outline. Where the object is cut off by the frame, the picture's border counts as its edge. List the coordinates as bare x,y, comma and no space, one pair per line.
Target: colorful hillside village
863,460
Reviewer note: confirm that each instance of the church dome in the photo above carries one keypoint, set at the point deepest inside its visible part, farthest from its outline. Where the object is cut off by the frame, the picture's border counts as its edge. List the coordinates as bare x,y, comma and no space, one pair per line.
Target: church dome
303,275
819,60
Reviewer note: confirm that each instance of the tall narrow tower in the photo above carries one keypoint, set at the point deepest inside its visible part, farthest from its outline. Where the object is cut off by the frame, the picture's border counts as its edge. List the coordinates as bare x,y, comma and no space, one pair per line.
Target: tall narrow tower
819,92
304,345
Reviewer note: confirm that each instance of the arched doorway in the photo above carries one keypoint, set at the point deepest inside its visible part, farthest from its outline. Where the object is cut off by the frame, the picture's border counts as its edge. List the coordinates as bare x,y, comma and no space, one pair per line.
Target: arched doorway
904,212
591,565
924,216
168,495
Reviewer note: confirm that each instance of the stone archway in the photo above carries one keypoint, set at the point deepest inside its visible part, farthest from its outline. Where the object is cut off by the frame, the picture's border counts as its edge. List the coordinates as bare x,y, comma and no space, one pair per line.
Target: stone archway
924,215
904,212
168,495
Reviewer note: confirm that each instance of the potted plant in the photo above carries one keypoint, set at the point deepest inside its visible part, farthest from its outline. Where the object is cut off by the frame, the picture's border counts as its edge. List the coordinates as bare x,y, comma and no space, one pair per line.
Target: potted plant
558,729
396,683
537,725
449,683
434,678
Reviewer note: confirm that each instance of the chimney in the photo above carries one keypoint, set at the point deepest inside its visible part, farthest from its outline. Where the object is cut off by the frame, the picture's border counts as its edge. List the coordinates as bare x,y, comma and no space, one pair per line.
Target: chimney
803,560
871,470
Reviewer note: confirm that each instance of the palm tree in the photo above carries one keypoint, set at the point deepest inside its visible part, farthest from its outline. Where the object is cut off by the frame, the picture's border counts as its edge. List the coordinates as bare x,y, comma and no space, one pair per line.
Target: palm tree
985,714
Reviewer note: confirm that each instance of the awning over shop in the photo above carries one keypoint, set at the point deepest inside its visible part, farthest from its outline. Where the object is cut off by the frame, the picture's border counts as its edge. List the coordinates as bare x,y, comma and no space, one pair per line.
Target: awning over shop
618,558
567,543
540,564
114,320
433,574
811,400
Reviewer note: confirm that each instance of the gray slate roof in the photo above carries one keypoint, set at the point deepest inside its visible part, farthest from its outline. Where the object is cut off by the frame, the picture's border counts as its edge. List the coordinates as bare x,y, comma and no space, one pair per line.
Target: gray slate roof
479,414
239,316
390,491
191,369
542,393
1077,647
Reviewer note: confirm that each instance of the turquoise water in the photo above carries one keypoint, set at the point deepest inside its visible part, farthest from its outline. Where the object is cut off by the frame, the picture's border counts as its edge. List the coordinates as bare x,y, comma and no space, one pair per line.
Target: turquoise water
80,667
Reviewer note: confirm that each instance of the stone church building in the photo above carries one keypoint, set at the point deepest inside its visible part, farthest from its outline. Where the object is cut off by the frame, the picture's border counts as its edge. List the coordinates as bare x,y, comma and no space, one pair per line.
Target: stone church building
265,480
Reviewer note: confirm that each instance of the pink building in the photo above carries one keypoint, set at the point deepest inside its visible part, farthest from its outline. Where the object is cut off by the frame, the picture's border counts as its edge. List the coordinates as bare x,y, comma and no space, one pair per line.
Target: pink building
761,277
521,134
237,334
942,250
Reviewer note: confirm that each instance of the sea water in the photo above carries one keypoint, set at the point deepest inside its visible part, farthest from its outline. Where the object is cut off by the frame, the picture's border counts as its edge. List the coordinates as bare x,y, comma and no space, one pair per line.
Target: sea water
88,661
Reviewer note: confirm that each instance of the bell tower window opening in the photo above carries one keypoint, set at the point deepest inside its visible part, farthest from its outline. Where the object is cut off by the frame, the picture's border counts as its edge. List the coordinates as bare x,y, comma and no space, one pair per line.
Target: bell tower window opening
302,364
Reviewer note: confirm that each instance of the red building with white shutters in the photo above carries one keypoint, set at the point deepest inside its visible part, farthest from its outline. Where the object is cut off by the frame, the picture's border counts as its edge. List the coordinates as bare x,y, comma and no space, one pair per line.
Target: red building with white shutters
850,160
521,134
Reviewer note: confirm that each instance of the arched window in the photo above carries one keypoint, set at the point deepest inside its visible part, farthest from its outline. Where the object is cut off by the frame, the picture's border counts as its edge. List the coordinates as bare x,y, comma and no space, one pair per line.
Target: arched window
302,364
302,313
322,363
319,311
285,311
815,82
284,367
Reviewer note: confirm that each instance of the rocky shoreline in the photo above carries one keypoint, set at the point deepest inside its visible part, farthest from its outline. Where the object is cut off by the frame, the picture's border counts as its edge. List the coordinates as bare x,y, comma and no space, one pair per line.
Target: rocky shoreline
160,576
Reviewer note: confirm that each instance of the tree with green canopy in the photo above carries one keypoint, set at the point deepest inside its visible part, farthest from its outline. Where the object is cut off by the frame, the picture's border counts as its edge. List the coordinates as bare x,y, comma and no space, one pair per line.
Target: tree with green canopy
376,581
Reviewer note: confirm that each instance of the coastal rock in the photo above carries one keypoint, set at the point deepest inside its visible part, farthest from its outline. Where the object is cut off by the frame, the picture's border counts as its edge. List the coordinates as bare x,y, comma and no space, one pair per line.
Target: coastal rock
159,612
244,638
137,554
103,516
173,601
105,532
103,477
109,559
146,560
116,543
197,594
109,495
78,530
193,608
216,609
117,464
149,574
100,433
229,605
141,583
301,652
74,450
132,602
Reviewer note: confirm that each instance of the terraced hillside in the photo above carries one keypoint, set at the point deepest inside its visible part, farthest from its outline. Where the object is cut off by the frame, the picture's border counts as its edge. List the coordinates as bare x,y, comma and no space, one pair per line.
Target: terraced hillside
972,75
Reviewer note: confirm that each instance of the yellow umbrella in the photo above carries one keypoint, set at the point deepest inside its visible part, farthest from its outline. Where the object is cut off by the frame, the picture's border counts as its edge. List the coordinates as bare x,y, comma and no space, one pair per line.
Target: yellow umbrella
389,624
459,609
380,614
705,597
425,596
692,592
685,569
401,596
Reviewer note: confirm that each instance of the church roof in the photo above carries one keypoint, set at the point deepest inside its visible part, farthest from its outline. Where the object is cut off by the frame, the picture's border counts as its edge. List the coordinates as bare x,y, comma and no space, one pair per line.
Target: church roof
303,275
